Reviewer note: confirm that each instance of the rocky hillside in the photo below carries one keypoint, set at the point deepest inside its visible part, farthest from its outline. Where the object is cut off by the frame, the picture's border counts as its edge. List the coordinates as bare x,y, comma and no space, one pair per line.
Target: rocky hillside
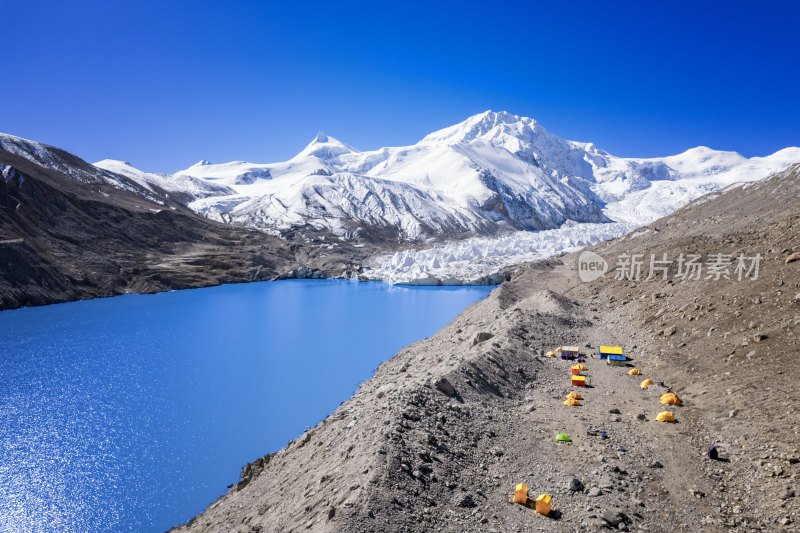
69,230
440,435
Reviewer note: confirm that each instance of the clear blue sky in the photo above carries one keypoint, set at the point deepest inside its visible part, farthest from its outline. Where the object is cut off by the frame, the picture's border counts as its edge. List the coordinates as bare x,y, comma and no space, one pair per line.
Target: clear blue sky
164,84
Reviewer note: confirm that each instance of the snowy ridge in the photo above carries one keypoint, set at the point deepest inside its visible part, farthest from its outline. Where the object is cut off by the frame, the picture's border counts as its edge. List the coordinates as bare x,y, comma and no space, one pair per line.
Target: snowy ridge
493,173
185,185
64,162
46,156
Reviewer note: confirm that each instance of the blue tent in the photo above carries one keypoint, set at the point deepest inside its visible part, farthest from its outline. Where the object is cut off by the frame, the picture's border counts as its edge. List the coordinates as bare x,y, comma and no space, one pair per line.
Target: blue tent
617,360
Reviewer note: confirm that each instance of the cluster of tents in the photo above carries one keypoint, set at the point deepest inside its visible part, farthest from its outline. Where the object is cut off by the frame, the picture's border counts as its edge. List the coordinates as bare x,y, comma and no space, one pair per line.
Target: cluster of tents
669,398
614,357
541,504
573,399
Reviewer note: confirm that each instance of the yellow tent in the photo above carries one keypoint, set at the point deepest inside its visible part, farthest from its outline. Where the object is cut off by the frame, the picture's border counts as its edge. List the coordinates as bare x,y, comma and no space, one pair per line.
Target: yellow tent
579,381
646,383
665,416
671,398
582,367
572,402
550,354
616,350
521,494
543,504
574,396
634,372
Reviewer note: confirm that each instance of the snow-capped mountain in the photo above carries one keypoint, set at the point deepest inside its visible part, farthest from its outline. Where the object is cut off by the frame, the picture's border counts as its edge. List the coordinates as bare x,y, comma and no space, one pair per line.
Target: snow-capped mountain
493,173
471,192
179,187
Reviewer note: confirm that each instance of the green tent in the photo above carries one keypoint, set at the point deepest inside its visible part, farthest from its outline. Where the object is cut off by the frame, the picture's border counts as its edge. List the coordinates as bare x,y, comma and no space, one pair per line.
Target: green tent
563,437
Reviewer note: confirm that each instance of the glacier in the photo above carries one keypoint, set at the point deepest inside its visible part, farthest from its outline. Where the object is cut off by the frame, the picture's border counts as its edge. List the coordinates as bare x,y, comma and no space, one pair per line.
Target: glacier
463,202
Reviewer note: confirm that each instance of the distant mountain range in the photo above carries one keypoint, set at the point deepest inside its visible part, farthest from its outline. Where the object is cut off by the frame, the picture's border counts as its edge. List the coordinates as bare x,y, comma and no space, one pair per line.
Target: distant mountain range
494,172
70,230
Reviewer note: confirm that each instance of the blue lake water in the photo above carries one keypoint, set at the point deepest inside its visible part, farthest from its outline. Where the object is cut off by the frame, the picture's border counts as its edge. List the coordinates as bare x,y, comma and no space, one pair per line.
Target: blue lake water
134,413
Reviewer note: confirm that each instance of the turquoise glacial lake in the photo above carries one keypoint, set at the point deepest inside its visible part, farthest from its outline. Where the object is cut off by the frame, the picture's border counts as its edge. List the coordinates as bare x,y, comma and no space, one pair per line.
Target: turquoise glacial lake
134,413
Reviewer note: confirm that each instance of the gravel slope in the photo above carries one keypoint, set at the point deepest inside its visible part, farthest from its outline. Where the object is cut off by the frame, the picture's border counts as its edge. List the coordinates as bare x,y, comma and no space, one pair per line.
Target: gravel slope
406,454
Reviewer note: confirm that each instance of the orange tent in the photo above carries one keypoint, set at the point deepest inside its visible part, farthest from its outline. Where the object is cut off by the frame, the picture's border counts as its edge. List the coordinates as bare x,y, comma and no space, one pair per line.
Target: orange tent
521,494
671,398
572,402
646,383
543,504
634,372
665,416
574,396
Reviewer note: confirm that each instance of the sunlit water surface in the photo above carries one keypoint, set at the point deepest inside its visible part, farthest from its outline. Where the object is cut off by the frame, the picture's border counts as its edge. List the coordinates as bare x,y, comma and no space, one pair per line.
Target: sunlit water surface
133,413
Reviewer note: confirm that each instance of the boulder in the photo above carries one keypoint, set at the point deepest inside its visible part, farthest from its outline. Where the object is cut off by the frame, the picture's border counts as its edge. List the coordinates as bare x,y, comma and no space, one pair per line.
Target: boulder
464,500
481,337
575,485
445,386
614,517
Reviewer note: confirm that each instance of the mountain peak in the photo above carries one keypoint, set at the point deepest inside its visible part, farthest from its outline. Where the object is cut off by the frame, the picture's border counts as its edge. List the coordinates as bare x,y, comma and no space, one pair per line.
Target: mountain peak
489,124
325,147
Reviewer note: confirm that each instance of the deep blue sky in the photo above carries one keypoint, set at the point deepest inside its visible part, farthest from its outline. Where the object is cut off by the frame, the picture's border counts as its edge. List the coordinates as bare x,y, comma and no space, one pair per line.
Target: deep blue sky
164,84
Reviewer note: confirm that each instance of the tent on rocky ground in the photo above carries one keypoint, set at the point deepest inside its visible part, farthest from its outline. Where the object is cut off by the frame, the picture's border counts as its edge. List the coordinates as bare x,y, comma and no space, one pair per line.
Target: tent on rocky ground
543,504
634,372
550,354
646,383
574,396
616,360
563,437
575,370
605,351
579,381
712,452
568,352
671,398
521,494
665,416
572,402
